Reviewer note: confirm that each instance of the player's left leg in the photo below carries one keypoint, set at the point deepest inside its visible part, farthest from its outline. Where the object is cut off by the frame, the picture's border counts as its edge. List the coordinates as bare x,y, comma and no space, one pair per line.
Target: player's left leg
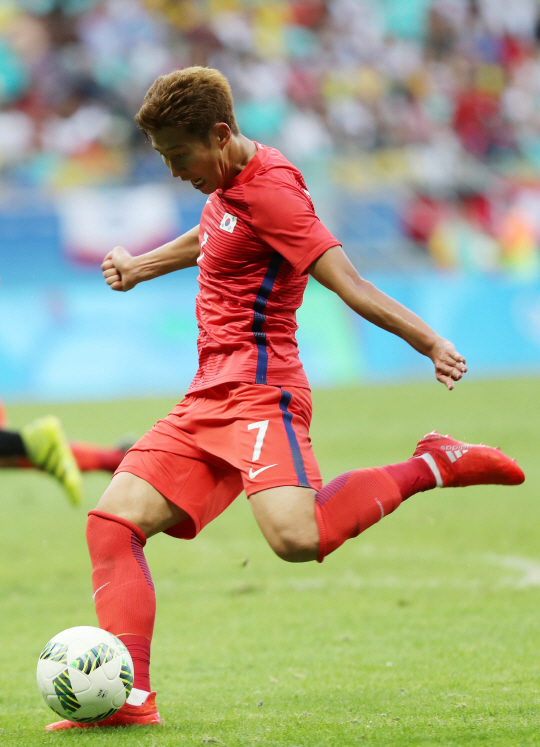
302,525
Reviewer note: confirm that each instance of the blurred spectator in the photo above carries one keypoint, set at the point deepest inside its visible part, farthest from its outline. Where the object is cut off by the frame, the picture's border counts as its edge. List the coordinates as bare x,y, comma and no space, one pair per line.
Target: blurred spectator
438,96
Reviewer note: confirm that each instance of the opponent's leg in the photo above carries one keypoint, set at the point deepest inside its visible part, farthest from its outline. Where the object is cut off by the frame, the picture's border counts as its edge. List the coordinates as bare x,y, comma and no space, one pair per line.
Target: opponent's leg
301,525
90,457
43,443
12,448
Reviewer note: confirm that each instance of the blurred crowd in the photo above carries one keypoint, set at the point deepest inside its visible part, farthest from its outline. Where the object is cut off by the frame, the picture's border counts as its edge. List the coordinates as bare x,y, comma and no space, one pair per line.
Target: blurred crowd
437,102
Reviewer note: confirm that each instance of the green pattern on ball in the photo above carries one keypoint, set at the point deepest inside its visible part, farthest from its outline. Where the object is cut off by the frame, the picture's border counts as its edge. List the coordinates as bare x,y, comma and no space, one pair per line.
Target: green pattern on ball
126,675
96,657
55,652
64,692
120,646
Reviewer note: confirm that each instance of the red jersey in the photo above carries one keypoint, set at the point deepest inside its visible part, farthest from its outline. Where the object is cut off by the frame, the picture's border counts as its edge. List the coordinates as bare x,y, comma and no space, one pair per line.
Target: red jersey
258,237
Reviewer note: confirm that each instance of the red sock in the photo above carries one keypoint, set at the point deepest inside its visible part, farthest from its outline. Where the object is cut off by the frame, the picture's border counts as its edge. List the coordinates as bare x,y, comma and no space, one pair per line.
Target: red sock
413,476
24,463
123,589
139,648
353,502
90,457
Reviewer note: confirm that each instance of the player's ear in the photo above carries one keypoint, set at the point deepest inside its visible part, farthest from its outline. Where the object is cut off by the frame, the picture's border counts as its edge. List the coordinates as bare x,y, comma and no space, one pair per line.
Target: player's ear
222,133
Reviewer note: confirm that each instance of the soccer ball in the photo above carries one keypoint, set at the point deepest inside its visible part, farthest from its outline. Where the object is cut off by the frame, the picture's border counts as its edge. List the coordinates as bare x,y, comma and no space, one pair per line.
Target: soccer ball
85,674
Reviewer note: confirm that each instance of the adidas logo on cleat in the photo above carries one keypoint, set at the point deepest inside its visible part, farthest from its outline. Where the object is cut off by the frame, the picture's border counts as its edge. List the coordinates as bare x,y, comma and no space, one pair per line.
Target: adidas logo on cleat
453,453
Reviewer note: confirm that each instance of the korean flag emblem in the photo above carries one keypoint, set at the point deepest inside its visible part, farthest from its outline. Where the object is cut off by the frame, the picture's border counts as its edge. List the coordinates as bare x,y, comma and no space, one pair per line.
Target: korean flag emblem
228,222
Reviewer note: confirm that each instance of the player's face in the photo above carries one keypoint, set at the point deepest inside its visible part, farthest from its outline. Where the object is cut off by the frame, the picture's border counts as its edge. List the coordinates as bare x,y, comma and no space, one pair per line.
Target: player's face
202,163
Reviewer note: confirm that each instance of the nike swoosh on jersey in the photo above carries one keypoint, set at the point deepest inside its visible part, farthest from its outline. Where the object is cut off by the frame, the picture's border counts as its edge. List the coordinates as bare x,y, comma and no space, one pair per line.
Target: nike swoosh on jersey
253,473
200,257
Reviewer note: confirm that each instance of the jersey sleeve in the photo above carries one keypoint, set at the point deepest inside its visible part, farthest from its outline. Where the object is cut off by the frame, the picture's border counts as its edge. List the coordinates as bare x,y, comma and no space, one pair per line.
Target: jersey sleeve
283,216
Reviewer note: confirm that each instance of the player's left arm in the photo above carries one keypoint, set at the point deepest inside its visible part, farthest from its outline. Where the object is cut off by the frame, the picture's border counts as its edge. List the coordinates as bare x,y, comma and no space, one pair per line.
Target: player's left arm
334,270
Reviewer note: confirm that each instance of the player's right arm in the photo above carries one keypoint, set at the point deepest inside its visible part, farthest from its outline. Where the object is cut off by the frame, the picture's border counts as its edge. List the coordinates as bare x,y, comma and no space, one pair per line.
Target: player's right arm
122,271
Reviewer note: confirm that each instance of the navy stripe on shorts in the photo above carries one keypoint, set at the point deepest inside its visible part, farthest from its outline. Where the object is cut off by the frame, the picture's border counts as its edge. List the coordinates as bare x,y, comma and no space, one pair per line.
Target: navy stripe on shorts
293,442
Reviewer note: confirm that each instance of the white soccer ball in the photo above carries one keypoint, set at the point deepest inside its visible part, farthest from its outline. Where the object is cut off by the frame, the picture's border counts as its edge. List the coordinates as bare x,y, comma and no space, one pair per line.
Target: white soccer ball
85,674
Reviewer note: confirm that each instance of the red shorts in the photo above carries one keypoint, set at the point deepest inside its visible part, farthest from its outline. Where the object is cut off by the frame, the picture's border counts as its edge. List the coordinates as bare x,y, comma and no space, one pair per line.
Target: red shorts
219,441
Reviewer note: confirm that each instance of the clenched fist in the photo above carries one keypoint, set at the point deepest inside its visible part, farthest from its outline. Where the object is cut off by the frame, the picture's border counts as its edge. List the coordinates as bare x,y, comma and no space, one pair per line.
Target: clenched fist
119,269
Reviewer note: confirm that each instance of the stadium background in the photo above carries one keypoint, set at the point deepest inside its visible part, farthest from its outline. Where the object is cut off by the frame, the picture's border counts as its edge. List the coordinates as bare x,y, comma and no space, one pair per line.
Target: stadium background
416,124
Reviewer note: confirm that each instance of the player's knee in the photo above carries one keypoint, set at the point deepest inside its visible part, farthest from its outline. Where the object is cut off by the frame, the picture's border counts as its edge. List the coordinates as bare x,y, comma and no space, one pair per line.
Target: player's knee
119,500
294,546
135,500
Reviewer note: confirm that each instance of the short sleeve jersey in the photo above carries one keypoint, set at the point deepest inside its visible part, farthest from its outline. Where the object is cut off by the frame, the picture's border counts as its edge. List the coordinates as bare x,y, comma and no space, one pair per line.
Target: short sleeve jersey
258,238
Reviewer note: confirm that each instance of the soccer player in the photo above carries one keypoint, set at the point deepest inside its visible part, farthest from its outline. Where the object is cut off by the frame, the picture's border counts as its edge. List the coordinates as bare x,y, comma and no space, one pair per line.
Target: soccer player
244,423
42,444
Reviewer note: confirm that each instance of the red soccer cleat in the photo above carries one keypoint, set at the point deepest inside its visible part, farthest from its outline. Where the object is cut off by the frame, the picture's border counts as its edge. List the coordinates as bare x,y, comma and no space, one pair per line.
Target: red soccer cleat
129,715
457,464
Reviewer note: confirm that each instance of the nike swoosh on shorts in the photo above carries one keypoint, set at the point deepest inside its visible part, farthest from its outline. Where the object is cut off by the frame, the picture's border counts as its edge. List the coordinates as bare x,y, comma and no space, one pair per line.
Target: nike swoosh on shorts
253,474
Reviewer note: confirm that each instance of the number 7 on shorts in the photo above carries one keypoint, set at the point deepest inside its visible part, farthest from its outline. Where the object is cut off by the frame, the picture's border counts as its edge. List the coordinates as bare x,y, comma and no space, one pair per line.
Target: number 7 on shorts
262,427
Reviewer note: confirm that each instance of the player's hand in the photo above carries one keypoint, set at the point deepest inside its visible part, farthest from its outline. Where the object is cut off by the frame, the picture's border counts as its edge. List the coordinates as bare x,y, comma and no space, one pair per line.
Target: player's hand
449,364
118,269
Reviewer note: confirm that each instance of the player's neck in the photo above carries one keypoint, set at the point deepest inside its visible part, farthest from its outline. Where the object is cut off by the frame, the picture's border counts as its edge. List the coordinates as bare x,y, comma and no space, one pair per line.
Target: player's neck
242,150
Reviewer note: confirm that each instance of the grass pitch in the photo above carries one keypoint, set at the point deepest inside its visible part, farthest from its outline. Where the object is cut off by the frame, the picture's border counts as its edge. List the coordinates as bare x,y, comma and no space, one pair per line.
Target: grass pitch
423,631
